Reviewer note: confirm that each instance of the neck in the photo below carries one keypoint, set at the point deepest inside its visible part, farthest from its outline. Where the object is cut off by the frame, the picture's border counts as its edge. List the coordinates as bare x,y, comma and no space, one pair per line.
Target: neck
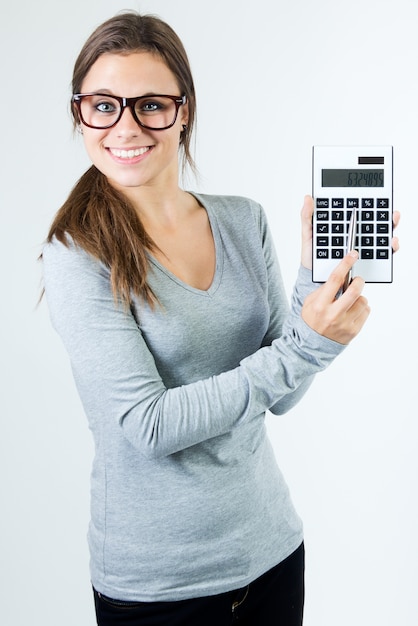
159,205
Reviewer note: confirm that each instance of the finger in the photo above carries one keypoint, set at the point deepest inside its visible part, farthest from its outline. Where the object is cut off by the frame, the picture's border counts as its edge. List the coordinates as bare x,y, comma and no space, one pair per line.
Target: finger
395,244
306,218
356,317
307,209
337,276
354,309
395,241
351,300
359,312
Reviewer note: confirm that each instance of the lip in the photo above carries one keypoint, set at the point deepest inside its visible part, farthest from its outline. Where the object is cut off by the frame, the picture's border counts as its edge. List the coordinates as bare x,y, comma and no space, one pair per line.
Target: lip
129,156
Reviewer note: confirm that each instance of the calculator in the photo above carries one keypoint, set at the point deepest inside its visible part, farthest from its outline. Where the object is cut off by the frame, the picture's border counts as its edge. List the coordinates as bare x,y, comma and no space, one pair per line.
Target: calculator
347,179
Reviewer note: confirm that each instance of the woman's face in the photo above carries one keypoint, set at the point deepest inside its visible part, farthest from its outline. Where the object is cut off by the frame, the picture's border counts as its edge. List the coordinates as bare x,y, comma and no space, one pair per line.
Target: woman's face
127,154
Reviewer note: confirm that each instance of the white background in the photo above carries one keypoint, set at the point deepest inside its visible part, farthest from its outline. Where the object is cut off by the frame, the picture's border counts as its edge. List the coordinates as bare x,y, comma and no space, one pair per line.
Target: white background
273,78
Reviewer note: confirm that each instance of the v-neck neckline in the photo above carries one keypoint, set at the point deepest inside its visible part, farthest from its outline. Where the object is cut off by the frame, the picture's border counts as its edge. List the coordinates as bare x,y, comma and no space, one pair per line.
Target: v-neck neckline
219,256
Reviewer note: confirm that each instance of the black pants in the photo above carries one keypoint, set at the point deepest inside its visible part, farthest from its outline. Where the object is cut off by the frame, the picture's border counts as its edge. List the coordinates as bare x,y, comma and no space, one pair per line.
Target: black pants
274,599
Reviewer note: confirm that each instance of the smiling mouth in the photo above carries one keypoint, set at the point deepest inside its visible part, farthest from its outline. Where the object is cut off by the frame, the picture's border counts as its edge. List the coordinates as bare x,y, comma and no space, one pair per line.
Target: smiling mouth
128,154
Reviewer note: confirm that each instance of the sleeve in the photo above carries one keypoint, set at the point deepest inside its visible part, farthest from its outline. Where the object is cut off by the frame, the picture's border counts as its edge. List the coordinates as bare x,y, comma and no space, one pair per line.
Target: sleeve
302,288
281,319
117,378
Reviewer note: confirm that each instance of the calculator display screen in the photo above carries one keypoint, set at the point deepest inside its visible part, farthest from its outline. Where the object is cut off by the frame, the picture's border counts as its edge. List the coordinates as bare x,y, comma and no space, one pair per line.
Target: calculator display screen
353,178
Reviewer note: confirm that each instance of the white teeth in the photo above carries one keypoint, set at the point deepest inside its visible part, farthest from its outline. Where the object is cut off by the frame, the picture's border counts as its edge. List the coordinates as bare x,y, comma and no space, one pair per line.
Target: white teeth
128,154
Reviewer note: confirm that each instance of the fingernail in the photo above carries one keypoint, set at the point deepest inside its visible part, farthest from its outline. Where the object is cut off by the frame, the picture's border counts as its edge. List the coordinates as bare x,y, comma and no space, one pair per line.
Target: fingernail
354,254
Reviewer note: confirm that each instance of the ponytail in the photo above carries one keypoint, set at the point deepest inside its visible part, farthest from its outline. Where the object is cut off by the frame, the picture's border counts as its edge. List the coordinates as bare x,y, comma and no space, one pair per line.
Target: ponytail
103,222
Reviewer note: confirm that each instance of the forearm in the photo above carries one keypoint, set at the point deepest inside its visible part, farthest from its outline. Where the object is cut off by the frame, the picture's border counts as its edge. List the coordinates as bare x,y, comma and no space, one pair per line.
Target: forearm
118,380
302,288
160,421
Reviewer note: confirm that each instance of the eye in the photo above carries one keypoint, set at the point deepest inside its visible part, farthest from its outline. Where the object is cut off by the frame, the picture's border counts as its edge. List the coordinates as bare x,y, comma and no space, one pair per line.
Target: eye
154,105
106,106
100,105
150,106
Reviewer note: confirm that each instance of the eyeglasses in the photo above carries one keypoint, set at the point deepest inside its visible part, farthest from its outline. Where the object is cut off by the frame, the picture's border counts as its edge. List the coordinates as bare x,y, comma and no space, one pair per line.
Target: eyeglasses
99,110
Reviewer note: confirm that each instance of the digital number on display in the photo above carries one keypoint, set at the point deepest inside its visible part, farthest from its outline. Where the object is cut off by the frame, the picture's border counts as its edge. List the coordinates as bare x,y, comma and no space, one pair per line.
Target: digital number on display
353,178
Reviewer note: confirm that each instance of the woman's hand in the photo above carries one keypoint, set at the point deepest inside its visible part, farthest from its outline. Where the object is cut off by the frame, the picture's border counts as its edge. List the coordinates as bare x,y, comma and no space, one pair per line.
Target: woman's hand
306,215
339,319
306,218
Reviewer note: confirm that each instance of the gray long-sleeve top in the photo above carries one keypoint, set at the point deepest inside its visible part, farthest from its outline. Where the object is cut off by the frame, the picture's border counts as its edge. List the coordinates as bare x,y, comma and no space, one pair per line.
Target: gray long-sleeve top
186,496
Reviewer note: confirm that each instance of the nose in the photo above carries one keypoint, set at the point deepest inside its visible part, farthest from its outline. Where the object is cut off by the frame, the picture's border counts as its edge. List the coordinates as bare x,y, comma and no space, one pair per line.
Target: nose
127,125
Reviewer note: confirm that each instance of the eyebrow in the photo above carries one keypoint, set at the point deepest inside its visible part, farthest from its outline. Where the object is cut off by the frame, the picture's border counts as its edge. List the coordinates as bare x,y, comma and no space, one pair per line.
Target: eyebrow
108,92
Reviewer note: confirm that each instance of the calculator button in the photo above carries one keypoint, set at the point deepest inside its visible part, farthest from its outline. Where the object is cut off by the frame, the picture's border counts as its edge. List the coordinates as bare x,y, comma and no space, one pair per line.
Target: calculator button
322,253
322,229
337,253
366,254
367,241
367,228
373,227
322,241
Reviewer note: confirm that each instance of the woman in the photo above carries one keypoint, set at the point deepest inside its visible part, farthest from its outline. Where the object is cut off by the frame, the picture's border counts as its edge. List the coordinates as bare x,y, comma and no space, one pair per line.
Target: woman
173,312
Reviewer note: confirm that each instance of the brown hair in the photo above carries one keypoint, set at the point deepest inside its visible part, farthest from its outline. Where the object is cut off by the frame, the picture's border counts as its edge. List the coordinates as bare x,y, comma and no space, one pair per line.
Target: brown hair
99,218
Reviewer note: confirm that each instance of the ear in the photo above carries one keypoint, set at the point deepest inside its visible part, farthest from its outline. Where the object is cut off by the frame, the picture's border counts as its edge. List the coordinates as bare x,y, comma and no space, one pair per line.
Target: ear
185,114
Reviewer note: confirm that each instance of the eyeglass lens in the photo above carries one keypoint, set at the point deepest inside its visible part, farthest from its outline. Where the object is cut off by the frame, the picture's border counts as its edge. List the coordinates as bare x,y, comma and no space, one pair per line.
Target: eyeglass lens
153,112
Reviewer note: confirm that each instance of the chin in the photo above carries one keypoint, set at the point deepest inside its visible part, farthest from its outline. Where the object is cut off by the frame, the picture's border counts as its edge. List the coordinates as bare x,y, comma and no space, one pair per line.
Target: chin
126,182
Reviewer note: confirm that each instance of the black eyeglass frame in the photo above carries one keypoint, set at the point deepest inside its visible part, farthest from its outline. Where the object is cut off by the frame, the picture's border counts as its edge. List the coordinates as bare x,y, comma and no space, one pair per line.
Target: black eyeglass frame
127,103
